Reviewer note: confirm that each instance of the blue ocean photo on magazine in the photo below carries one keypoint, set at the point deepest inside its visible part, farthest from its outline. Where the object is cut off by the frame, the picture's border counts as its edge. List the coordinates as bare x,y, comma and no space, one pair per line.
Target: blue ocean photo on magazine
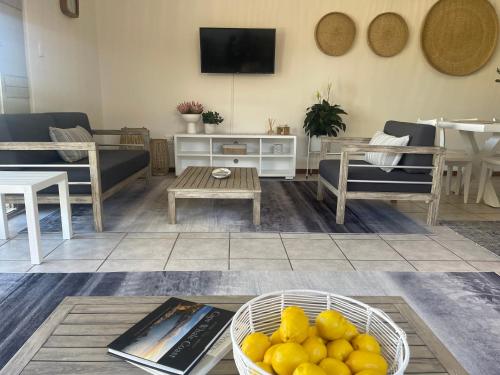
167,331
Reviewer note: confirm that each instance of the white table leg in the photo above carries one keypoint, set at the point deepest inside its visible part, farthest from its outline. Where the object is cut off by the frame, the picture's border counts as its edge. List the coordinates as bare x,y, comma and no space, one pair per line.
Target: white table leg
31,204
4,224
67,227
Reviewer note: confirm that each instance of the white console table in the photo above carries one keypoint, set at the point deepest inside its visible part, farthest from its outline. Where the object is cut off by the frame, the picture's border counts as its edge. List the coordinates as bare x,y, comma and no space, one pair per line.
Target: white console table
205,150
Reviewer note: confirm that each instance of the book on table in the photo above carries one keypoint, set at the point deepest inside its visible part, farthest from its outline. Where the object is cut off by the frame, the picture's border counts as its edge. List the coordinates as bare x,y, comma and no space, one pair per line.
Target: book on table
174,337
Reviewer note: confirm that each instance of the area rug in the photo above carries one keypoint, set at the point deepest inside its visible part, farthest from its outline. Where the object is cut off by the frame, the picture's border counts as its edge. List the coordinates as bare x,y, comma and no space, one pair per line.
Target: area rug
461,308
485,233
287,206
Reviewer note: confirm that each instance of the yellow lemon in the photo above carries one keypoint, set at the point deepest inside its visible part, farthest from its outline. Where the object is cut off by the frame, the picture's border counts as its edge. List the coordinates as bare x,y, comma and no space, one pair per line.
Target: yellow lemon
266,367
294,328
268,356
366,343
351,331
369,372
359,361
312,332
276,337
254,346
309,369
339,349
315,348
331,325
287,357
292,310
334,367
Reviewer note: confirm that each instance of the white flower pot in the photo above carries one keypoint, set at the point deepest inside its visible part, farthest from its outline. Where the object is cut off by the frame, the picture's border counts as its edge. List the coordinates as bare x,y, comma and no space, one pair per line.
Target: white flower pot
191,121
210,128
315,144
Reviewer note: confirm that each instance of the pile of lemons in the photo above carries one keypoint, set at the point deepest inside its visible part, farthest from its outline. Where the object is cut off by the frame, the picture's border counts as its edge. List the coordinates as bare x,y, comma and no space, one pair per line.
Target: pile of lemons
333,346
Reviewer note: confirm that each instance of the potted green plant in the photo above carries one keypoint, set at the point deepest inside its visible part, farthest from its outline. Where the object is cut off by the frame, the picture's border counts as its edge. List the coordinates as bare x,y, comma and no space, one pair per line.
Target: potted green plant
323,118
211,119
191,113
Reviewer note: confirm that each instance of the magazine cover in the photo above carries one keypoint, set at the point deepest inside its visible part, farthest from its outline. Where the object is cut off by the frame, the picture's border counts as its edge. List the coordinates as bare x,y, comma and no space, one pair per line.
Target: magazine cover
173,337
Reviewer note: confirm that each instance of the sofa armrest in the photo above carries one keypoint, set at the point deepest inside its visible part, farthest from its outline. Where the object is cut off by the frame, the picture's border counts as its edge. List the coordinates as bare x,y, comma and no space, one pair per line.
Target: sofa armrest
351,149
54,146
326,142
120,132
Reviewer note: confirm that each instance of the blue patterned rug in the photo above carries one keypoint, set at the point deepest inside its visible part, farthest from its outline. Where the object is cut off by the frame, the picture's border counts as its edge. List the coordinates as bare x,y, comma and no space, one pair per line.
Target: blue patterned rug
485,233
287,206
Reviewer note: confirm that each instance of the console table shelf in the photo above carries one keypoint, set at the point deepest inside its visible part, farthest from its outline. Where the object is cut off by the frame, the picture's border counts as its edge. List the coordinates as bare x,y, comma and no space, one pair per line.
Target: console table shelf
205,150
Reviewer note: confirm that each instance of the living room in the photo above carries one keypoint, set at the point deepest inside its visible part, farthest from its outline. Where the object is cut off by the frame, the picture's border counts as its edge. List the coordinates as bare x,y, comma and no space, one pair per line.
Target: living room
214,149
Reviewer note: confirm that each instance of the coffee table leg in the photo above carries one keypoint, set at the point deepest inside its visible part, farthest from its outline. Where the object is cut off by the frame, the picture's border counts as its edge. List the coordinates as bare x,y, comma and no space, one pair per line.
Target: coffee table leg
256,209
67,228
171,207
31,203
4,224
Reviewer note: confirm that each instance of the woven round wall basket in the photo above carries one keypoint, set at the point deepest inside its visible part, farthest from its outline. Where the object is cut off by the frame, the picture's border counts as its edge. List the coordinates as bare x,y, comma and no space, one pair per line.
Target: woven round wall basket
388,34
335,33
460,36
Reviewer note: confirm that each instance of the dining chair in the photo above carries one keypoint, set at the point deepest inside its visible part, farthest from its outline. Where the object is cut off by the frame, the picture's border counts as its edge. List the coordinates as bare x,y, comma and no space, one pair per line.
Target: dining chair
460,160
488,166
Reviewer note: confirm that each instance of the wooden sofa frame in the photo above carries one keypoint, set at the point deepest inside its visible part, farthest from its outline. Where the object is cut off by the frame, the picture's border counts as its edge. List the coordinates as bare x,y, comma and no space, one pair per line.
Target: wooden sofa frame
359,146
97,197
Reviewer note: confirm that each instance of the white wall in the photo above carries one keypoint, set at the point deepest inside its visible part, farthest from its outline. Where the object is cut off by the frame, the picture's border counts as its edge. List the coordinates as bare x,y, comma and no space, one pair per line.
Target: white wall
63,59
149,61
144,59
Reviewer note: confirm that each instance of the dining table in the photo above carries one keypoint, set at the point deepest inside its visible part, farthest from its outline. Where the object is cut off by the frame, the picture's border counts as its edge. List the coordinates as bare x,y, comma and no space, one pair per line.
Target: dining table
468,130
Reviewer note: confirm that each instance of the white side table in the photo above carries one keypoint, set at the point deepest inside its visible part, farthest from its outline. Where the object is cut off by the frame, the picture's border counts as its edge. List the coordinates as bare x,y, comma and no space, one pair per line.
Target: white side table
29,184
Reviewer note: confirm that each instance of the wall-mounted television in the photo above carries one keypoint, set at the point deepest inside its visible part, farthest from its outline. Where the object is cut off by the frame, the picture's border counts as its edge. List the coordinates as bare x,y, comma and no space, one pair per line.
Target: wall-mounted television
225,50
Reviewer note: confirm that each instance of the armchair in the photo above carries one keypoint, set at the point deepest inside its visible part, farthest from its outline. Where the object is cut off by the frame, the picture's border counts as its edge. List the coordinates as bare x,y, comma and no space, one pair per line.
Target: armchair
410,180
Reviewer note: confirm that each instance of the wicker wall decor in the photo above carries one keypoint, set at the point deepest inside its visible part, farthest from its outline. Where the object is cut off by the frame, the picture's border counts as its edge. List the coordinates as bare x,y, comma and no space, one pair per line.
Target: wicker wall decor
159,157
388,34
460,36
335,33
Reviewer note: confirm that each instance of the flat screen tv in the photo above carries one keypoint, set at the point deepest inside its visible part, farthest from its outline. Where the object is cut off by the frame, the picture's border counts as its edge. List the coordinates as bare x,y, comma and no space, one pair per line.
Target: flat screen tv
225,50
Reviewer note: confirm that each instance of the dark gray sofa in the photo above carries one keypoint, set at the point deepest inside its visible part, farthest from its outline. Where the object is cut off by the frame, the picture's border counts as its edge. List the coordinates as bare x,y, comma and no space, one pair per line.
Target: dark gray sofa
25,141
410,180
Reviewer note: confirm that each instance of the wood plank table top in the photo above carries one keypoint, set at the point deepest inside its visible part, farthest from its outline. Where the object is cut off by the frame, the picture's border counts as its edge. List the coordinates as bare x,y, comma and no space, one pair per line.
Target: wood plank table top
200,179
74,337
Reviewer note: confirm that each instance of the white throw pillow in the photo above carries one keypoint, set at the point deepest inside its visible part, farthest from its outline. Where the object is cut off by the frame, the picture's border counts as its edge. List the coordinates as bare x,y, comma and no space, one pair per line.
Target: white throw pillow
77,134
382,158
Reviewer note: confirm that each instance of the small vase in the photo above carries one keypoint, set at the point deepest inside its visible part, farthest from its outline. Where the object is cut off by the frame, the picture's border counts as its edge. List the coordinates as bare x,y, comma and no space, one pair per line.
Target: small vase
315,143
191,121
210,128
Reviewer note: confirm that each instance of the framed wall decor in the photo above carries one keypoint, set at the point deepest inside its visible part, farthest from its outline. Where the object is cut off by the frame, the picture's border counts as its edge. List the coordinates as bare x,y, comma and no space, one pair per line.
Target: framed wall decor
70,8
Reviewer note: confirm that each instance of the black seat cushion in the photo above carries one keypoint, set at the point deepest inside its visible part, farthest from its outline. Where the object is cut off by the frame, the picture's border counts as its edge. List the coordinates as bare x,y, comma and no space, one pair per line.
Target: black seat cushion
420,135
116,165
329,170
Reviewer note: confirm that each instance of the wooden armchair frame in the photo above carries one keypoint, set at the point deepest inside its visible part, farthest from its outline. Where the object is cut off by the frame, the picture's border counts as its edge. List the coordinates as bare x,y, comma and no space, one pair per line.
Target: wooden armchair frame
357,146
96,197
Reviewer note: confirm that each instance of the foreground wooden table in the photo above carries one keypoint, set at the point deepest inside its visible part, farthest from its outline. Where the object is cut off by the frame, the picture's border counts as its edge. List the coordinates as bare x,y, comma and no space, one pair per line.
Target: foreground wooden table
73,339
197,182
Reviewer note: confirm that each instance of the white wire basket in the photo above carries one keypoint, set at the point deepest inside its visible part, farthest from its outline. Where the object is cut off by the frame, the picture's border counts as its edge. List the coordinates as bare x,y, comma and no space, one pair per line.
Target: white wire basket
263,314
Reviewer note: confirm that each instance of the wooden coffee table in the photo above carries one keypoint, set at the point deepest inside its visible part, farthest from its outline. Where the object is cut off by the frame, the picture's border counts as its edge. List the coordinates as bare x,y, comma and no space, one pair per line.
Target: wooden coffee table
197,182
74,337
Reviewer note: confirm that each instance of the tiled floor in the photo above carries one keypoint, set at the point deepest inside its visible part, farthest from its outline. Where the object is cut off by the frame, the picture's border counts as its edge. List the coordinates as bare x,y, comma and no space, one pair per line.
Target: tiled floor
441,251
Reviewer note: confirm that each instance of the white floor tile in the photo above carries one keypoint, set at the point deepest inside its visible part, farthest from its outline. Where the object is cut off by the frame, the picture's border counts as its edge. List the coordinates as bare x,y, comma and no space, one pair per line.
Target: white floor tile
260,265
166,235
255,235
67,266
367,250
486,266
383,265
209,235
257,249
201,249
19,249
321,265
312,249
422,250
469,250
442,266
89,248
143,248
14,266
310,236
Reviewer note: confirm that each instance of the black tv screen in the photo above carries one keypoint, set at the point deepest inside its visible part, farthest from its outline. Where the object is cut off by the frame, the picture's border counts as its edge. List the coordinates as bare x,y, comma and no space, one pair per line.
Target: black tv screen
226,50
